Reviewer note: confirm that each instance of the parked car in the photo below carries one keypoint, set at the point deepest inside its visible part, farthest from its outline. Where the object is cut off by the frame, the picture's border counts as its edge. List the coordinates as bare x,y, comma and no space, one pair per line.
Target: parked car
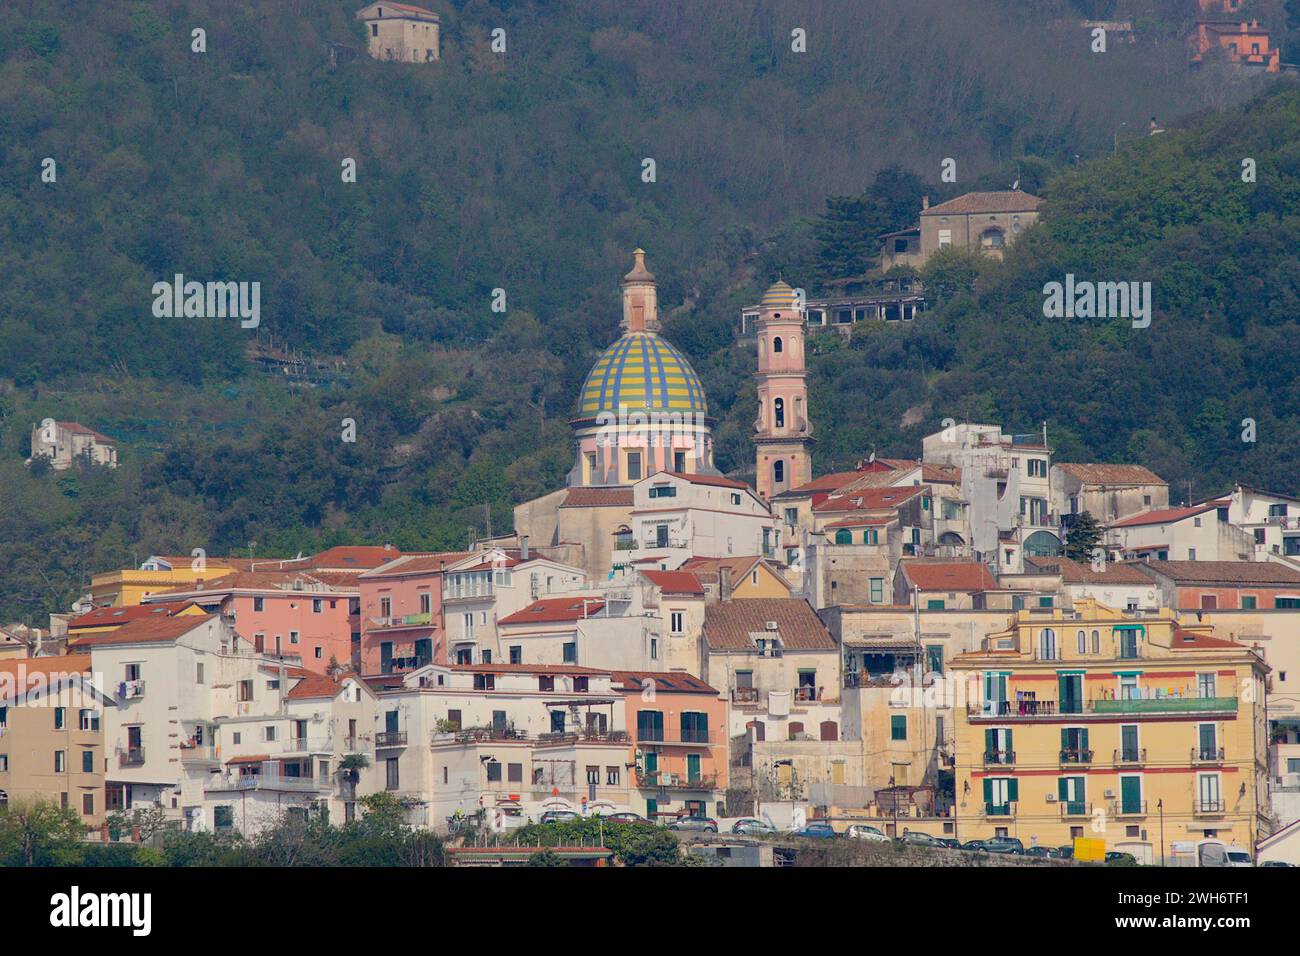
559,816
1276,863
916,838
860,831
949,842
626,816
975,846
751,826
698,824
1004,845
1238,857
1121,859
1044,852
817,831
1065,852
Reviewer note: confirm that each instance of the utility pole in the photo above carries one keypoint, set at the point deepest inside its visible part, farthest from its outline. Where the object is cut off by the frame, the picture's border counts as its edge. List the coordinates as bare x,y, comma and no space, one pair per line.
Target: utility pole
1160,805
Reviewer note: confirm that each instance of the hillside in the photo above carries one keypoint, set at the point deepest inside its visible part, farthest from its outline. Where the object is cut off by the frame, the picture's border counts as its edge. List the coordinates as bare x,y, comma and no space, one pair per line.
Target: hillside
523,173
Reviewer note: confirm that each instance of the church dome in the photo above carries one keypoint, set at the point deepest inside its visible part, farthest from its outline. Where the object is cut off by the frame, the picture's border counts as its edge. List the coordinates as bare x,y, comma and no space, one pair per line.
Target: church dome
779,296
642,372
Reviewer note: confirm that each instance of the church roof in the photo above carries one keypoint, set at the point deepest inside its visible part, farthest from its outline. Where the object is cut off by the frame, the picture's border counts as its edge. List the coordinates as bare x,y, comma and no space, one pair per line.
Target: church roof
642,372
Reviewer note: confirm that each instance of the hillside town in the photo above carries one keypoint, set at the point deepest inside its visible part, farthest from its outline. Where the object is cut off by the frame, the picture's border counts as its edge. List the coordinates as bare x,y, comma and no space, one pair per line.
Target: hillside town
978,646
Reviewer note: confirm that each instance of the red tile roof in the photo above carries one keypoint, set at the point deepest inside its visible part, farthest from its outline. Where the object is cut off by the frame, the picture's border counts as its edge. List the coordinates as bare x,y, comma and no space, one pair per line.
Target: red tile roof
66,663
716,480
528,669
314,685
556,610
863,521
269,581
730,624
1194,639
1075,572
145,630
948,575
105,616
615,497
339,558
675,582
1111,474
1229,573
1162,516
676,682
869,499
78,429
977,202
829,482
417,564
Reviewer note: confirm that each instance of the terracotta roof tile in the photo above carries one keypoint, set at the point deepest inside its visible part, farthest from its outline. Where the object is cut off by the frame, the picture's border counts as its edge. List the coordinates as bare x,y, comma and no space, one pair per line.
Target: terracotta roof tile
145,630
715,480
1075,572
948,575
1162,516
677,682
1111,474
1224,572
675,582
556,610
105,616
869,499
728,626
314,685
979,202
617,497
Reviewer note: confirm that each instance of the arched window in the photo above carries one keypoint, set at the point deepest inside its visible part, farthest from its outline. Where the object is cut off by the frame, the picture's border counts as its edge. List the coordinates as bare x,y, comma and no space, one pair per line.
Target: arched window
1047,644
779,406
778,472
844,536
1096,642
829,730
1083,642
776,344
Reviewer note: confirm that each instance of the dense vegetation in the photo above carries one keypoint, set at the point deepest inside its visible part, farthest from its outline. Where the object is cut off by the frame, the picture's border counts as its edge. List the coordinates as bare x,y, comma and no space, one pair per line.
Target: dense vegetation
523,173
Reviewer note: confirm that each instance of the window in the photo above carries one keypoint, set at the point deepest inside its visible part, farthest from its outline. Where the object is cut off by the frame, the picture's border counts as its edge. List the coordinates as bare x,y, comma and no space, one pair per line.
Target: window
245,690
317,606
679,461
934,604
898,727
593,776
612,775
1083,642
516,654
776,344
654,648
571,653
4,763
663,491
778,473
675,625
293,637
198,672
1047,645
259,604
88,804
778,409
88,761
514,773
390,776
695,727
1286,602
877,590
1205,685
60,761
268,733
88,720
843,536
634,466
735,499
59,714
132,672
493,771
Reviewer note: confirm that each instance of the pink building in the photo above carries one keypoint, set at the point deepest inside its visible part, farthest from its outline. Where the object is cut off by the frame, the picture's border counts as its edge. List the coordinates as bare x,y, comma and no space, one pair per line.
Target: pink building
402,624
283,613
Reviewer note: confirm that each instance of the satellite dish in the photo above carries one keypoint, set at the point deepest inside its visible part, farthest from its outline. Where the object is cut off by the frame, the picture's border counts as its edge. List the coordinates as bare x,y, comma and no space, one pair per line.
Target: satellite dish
1016,184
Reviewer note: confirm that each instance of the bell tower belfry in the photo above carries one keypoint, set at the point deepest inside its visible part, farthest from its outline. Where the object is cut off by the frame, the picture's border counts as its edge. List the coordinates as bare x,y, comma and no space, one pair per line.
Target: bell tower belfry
782,433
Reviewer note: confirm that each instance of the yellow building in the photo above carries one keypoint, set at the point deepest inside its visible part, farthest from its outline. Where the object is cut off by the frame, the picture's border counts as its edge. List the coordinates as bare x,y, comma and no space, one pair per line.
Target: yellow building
401,32
743,577
1135,729
51,737
125,588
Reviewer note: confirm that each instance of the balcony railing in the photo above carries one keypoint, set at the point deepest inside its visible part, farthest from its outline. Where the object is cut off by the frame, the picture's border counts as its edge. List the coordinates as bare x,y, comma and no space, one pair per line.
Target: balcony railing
402,620
744,695
270,781
1207,755
806,693
999,810
676,781
1101,707
130,689
688,735
1130,756
999,757
1207,807
1075,808
1130,808
199,754
391,738
133,757
1076,755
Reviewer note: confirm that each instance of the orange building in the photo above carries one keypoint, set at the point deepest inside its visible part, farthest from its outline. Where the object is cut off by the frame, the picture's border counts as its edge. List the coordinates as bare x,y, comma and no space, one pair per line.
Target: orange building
680,747
1243,43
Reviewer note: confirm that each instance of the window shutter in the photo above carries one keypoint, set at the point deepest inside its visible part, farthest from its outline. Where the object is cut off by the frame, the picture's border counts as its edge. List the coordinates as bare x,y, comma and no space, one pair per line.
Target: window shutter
990,741
1063,789
1013,790
988,790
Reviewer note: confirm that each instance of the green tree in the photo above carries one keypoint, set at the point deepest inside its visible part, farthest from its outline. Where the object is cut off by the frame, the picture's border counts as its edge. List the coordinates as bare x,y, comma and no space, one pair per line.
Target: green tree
38,832
1082,537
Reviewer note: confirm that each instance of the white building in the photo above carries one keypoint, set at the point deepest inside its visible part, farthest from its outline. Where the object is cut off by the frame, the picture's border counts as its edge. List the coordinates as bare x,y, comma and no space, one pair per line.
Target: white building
401,32
1272,520
65,442
1197,533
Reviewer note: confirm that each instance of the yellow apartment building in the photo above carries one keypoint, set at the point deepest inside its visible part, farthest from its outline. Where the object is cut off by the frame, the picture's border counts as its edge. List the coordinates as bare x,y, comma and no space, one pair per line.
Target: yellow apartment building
127,587
1130,727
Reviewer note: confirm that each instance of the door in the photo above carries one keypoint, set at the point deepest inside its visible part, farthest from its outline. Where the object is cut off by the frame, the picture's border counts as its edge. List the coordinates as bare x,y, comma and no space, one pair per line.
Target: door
1129,742
1070,791
390,721
652,768
423,651
386,657
1071,693
498,722
1130,794
693,768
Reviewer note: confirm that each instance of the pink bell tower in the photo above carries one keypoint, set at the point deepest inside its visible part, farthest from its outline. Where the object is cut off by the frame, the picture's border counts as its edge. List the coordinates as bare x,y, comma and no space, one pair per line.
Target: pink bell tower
783,437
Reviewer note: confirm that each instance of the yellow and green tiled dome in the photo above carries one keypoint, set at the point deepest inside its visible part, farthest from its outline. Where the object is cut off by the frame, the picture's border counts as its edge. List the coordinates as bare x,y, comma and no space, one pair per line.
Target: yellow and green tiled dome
779,296
642,372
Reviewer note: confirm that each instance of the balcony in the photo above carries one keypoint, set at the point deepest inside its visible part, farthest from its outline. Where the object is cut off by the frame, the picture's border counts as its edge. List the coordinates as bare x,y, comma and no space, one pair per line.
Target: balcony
999,810
308,745
1075,808
400,621
744,695
132,757
659,779
1074,755
1167,705
1133,808
1208,808
390,739
1130,758
271,781
999,758
1207,755
1012,708
198,754
689,736
130,690
807,694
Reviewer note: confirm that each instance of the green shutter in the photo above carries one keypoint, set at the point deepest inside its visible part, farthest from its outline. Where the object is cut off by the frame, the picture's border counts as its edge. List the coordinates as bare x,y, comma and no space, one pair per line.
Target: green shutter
990,741
988,790
1013,790
1063,789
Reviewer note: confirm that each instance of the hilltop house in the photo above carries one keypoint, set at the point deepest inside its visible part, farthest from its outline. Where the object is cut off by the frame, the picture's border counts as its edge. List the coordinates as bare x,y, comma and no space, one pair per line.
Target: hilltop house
399,31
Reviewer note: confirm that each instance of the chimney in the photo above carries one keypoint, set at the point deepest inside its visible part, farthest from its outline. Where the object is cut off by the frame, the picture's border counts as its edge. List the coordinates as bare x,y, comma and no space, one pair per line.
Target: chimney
925,203
523,547
724,583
